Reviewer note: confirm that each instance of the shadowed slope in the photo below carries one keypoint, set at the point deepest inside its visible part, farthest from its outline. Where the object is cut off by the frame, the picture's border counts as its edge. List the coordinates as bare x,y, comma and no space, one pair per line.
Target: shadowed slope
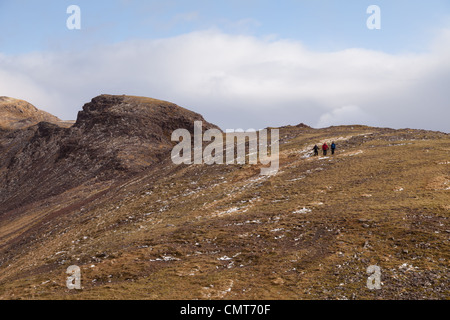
113,137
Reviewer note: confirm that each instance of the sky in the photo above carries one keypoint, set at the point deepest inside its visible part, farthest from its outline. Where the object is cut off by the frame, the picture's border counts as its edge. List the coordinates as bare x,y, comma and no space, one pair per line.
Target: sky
241,64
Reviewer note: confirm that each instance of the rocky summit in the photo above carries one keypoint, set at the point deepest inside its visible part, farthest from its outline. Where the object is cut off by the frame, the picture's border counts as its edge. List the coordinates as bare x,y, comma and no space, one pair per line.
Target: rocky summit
103,194
112,137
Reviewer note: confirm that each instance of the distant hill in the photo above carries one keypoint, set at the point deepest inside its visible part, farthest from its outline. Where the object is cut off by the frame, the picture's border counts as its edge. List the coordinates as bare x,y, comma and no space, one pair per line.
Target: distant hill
105,195
19,114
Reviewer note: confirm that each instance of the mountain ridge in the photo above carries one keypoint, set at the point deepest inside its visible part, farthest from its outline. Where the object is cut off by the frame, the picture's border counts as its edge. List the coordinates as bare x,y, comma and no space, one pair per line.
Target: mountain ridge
113,136
162,231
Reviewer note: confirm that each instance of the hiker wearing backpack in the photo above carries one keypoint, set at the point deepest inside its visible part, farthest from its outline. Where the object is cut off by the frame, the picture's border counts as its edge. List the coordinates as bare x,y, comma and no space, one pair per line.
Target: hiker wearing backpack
325,148
316,150
333,147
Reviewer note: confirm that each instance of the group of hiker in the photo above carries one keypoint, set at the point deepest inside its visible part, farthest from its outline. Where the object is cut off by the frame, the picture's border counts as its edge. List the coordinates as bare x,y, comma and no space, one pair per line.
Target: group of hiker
325,149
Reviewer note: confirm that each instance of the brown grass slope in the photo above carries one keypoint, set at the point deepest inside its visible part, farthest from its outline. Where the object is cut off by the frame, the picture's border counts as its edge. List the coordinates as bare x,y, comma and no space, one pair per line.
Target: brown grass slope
226,232
18,114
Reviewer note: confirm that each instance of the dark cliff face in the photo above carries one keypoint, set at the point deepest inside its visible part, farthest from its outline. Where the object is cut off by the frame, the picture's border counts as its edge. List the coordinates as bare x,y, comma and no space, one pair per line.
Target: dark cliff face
141,117
113,137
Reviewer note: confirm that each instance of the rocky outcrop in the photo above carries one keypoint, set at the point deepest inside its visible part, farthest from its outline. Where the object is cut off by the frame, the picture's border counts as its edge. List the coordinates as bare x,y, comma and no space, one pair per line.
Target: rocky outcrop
113,137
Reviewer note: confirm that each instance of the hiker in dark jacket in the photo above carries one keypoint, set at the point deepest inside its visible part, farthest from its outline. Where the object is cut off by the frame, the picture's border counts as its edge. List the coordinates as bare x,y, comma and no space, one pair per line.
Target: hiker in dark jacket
316,150
325,148
333,147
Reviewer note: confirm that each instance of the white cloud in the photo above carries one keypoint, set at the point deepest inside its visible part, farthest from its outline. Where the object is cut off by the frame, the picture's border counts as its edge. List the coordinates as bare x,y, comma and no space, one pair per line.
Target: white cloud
346,115
240,81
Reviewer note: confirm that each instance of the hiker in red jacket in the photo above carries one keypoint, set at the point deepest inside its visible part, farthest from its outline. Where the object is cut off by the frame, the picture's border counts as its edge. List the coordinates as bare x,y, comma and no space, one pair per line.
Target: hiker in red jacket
325,148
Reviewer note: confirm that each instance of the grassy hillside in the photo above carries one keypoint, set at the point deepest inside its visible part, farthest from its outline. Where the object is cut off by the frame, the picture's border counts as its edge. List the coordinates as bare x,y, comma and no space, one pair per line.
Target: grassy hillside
226,232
